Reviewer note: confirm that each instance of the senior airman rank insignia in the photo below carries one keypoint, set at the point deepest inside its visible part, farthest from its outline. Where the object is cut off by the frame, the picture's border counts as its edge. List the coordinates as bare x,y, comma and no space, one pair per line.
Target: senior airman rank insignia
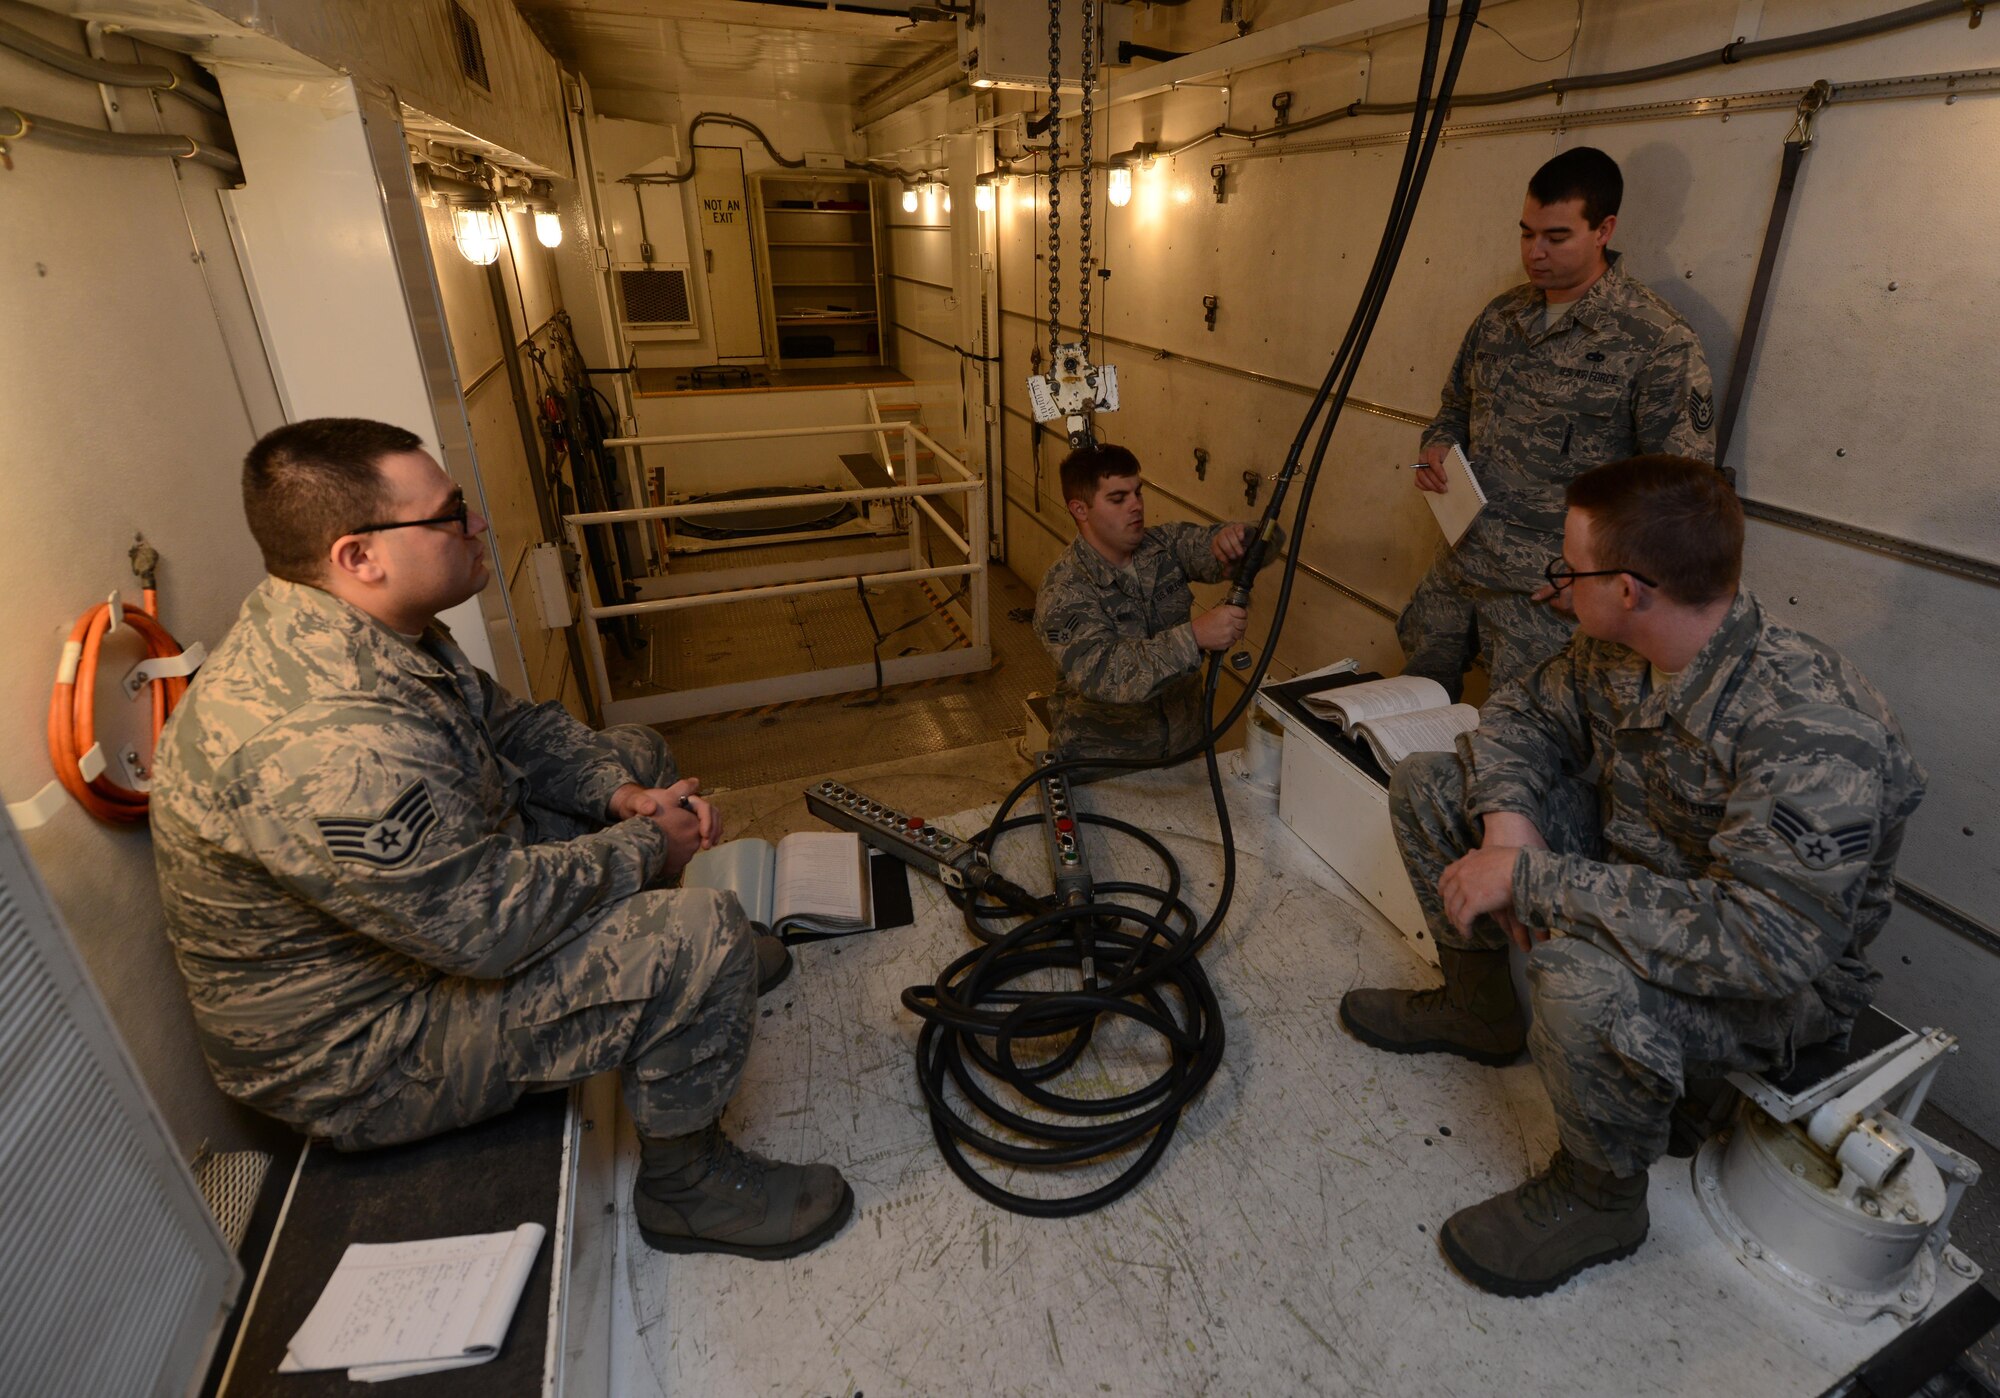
1820,849
386,841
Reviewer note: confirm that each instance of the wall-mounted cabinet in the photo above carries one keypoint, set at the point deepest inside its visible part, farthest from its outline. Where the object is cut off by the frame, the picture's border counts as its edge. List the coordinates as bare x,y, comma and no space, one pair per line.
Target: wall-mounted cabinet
821,267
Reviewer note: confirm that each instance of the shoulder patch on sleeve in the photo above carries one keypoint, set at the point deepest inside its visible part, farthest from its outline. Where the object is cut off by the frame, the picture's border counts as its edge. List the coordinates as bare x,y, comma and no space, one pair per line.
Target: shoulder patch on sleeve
1820,849
386,841
1701,409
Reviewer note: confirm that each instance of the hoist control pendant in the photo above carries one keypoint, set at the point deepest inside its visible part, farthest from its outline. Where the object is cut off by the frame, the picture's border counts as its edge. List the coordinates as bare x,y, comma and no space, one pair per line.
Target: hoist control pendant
1075,390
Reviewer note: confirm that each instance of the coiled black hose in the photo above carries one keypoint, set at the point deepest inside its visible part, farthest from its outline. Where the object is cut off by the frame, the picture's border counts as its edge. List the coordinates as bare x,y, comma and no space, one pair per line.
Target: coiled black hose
978,1013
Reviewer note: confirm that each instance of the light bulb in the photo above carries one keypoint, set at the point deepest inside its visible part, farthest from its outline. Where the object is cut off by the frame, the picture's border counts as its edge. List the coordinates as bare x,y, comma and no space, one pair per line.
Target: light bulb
909,201
1120,186
947,201
982,198
548,230
478,234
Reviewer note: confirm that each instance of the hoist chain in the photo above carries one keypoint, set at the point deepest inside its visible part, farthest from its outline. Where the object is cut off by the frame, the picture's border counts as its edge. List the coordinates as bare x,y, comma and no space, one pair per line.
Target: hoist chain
1088,66
1055,180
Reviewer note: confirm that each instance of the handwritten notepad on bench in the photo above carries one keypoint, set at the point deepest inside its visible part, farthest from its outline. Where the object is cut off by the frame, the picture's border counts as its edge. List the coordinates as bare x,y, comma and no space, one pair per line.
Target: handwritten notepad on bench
392,1310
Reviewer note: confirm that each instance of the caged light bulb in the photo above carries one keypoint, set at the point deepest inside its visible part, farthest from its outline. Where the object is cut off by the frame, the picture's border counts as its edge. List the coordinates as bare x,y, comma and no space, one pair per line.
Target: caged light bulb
1120,185
982,198
548,229
478,234
909,201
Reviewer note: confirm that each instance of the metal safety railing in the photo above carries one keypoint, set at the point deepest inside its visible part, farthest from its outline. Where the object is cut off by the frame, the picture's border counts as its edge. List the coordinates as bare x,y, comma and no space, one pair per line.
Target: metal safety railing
955,479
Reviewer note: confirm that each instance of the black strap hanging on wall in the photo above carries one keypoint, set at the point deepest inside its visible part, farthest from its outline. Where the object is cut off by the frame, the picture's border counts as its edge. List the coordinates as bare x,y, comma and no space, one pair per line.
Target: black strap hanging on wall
1797,143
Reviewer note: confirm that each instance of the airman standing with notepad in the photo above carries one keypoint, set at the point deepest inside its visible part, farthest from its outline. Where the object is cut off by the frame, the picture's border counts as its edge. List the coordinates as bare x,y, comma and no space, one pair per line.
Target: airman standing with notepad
1579,366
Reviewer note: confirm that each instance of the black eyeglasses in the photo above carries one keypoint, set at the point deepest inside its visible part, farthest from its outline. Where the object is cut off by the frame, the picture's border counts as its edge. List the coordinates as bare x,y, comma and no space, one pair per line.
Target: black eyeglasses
1561,575
458,517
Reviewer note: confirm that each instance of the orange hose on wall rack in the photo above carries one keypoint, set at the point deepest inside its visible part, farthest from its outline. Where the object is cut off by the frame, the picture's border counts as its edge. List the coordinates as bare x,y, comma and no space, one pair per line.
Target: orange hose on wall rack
72,706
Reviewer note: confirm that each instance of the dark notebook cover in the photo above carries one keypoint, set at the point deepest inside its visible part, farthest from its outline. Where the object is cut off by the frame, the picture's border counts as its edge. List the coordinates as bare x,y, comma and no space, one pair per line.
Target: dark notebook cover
889,888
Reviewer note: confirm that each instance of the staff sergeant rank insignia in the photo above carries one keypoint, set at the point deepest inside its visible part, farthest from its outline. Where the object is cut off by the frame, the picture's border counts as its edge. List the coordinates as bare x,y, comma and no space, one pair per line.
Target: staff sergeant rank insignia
387,841
1818,849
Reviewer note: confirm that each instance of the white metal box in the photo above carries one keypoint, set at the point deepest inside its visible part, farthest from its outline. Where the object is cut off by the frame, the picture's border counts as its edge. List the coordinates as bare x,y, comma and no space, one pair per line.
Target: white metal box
1006,42
1342,813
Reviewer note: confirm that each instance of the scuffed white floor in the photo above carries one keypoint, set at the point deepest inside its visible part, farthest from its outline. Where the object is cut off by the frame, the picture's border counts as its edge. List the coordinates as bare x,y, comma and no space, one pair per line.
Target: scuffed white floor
1286,1243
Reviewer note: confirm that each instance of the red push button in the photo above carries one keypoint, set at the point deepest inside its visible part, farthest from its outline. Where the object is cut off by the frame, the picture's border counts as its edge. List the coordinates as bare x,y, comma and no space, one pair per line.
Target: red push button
916,822
1065,825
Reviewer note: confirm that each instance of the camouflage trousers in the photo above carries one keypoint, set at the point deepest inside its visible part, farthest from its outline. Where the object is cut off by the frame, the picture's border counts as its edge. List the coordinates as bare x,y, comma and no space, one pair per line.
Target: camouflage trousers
663,988
1170,722
1471,605
1614,1051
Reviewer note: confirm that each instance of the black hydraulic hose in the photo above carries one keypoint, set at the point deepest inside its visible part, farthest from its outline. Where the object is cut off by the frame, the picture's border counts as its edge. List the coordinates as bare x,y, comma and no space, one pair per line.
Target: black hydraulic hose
718,119
1722,57
156,76
66,136
977,1013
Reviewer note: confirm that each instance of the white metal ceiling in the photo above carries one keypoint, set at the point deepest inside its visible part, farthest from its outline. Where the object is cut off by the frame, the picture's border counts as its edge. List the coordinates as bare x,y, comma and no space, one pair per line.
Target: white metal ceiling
742,48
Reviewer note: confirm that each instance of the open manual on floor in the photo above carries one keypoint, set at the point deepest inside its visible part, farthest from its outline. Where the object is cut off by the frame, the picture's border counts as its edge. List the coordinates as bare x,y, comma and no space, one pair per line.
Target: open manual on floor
1395,717
814,881
393,1310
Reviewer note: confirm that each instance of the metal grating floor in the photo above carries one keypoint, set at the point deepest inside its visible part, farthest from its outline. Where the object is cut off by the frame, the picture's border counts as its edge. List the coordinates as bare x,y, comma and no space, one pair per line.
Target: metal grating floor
806,738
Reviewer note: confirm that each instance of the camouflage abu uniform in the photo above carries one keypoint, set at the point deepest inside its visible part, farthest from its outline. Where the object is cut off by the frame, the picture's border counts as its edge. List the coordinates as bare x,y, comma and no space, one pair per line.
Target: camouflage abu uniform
1614,373
1721,854
1123,641
395,901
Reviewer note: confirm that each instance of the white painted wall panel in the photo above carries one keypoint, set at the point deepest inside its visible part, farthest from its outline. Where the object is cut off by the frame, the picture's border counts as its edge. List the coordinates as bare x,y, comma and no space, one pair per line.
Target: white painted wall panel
411,48
1873,405
917,248
134,381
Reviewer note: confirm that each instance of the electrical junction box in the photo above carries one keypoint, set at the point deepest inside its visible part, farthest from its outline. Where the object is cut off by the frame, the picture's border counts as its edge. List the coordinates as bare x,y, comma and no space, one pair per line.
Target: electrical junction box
825,160
551,588
1006,42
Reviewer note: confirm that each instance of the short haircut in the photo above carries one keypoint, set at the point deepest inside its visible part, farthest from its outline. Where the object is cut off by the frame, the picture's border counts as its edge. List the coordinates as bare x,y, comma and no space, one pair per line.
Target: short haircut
307,484
1582,172
1083,468
1674,520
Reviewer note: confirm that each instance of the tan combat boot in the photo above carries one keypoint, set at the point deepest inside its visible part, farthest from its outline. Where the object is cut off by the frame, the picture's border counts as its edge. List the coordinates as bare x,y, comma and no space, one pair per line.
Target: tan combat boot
1534,1238
702,1193
1473,1014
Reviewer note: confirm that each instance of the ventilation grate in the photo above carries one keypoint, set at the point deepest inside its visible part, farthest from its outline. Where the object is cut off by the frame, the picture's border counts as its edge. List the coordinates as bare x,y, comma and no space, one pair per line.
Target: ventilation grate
471,49
231,1182
656,297
111,1276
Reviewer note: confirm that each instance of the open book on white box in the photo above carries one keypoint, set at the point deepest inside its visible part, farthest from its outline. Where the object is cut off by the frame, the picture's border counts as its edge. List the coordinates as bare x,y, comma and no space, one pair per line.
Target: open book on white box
813,881
393,1310
1395,717
1462,501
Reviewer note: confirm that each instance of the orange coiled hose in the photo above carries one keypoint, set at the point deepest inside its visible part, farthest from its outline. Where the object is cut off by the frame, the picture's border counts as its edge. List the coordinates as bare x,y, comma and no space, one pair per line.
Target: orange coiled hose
72,706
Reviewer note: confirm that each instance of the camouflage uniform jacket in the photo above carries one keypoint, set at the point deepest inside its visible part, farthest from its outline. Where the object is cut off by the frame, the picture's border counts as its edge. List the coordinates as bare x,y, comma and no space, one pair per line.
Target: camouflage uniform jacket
1124,643
1613,374
1752,809
340,820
